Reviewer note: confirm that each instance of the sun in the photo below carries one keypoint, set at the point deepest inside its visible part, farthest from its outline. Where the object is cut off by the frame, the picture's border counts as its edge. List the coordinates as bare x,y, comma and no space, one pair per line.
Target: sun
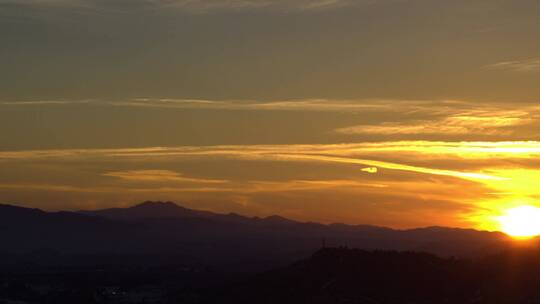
521,222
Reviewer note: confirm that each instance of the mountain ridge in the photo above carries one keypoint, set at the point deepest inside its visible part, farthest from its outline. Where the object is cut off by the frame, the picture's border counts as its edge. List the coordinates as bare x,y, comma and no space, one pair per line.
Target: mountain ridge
171,210
166,229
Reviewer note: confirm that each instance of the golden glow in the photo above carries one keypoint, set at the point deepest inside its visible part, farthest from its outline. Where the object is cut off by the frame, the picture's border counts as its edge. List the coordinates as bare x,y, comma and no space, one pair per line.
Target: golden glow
517,190
479,181
521,222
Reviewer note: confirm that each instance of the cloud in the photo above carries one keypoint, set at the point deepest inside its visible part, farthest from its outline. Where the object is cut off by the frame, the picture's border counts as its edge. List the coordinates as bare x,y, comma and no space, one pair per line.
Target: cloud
394,166
467,123
205,6
412,177
370,170
284,105
195,6
457,111
42,2
522,66
471,150
159,176
249,187
304,185
341,153
42,102
109,189
400,106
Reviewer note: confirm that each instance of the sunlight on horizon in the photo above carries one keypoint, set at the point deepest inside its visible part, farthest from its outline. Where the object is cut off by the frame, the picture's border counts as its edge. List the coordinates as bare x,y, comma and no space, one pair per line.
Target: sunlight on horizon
512,206
521,222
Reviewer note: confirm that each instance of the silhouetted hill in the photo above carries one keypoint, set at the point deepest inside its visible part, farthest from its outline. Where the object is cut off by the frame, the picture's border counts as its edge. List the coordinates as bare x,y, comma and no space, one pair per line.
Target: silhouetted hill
24,230
341,275
154,230
170,210
149,210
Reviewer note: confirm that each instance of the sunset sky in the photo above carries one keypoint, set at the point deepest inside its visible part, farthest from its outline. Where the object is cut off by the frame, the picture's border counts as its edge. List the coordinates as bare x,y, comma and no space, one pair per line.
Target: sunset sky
399,113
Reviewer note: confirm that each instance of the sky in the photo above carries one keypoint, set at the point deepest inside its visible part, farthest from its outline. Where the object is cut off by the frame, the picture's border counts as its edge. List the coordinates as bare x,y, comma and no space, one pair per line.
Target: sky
399,113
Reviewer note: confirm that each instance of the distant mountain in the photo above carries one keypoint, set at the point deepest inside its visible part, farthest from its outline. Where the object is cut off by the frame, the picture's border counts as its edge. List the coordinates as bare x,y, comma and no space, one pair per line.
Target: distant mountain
150,231
149,210
169,210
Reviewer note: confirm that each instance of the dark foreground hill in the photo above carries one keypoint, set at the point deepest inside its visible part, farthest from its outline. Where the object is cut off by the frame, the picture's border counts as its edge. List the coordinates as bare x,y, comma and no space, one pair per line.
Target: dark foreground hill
341,275
157,233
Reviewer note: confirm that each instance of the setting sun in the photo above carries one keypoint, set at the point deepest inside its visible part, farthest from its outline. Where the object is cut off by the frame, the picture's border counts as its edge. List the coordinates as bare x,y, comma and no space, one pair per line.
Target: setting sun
521,222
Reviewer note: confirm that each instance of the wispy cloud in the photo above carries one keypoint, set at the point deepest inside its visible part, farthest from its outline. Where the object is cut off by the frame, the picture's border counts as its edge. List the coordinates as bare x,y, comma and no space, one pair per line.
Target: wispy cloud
466,123
42,102
284,105
159,176
394,166
401,106
41,2
457,111
303,185
205,6
197,6
247,187
108,189
474,150
343,153
409,172
522,66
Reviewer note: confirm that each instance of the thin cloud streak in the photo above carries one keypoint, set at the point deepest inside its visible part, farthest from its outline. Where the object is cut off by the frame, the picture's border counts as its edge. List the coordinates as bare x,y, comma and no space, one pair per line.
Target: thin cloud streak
466,123
250,187
243,105
70,188
394,166
471,150
159,176
345,153
520,66
455,111
42,102
193,6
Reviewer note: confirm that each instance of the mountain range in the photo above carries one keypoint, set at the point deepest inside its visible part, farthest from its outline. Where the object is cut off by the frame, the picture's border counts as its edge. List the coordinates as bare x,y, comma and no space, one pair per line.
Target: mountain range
166,233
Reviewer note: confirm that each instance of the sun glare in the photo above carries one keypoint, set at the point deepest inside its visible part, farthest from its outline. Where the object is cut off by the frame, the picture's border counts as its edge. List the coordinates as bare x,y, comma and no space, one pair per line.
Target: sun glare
521,222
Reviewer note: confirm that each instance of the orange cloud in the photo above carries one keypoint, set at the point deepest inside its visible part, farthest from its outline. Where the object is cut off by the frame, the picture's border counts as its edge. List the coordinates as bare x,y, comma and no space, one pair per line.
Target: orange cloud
159,176
370,169
483,122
